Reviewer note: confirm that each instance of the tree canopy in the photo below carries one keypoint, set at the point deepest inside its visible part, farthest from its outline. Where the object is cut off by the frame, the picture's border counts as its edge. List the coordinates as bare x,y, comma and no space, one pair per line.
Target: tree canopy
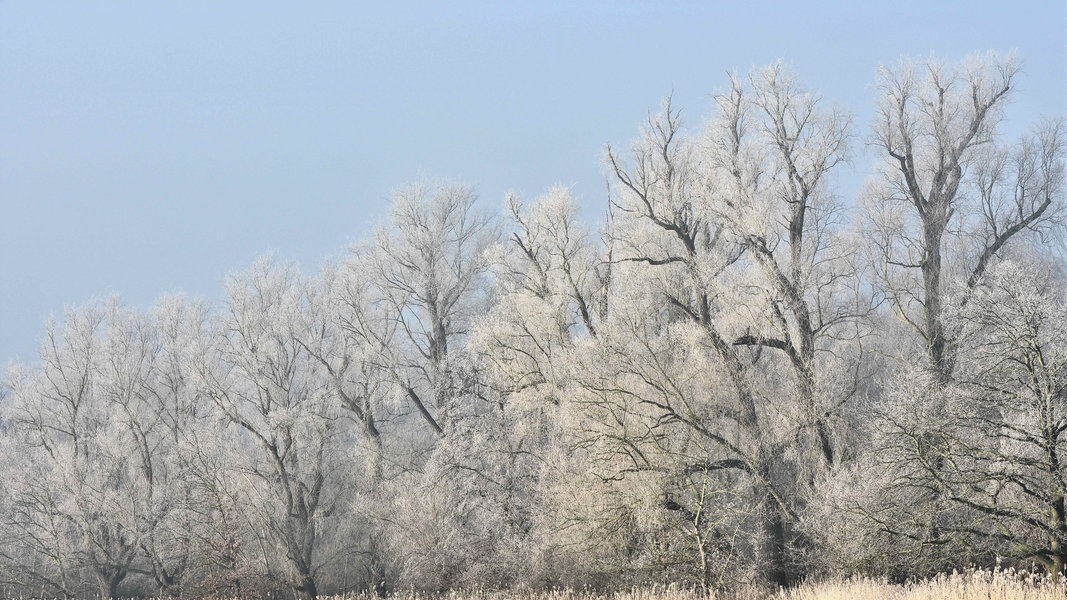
738,377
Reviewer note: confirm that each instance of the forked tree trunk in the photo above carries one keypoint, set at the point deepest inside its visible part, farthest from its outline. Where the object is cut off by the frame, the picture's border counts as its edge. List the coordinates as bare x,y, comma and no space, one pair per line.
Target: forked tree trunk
306,589
108,580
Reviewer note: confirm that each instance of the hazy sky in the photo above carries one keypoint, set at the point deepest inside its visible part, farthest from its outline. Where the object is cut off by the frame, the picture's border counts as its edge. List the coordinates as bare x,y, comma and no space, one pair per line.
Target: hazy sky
150,147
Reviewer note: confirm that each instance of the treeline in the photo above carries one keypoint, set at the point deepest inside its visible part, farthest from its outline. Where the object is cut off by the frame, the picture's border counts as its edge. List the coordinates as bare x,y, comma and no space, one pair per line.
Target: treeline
740,377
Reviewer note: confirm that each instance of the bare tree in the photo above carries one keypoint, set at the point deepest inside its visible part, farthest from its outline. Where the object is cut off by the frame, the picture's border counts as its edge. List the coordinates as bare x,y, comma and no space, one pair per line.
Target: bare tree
103,420
986,477
551,279
771,154
743,229
287,438
352,337
952,194
429,267
952,199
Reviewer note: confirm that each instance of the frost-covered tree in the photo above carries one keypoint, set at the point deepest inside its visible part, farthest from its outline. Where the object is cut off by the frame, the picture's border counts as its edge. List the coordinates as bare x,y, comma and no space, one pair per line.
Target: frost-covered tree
286,439
952,199
1010,430
738,339
100,487
952,194
403,305
428,268
770,154
352,337
550,296
972,470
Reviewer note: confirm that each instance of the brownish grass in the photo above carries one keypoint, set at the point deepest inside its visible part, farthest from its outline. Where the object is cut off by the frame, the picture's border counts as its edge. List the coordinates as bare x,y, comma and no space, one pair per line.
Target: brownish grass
971,585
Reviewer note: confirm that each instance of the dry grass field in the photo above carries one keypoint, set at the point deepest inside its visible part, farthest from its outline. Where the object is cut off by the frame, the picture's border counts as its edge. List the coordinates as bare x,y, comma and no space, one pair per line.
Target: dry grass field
974,585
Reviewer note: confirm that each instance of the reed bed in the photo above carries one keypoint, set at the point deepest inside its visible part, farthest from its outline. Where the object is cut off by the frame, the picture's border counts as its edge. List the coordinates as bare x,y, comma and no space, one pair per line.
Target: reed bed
1000,584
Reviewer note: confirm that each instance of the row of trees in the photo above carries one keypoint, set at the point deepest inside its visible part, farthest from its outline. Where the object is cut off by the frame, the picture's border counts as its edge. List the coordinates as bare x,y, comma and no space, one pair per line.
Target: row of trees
743,378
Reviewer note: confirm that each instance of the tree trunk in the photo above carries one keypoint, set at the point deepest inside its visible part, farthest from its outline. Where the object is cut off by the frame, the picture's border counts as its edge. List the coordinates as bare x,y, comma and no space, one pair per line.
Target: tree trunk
108,581
936,343
1057,550
775,545
306,589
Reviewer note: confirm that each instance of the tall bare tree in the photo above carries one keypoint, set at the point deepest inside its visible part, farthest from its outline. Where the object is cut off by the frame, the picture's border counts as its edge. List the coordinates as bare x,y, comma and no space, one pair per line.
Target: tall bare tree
952,194
744,230
287,439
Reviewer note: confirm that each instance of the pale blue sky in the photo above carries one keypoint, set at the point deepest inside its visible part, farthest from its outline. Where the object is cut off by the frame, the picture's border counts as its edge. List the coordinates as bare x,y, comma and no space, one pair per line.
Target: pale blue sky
149,147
